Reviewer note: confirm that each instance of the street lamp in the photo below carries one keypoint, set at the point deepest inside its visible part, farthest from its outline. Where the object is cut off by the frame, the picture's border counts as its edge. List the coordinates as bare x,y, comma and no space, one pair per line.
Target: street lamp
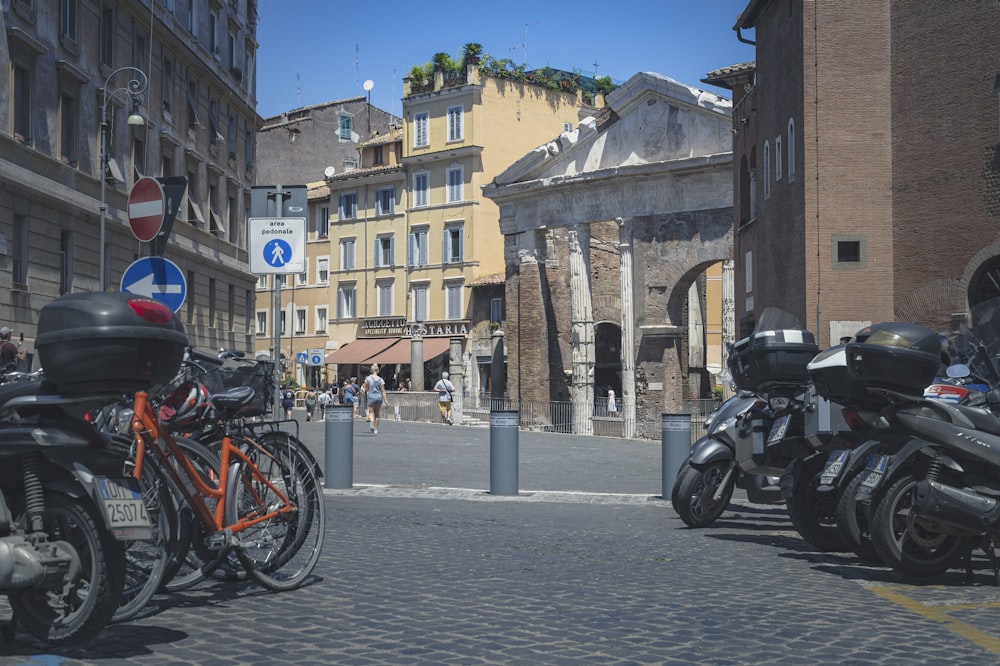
132,90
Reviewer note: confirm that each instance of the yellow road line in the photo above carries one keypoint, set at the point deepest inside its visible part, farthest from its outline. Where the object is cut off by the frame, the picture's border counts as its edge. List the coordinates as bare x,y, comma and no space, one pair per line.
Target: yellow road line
940,615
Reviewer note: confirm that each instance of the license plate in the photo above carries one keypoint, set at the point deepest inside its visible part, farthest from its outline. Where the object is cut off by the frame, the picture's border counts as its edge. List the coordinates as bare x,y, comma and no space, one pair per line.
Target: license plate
834,464
778,429
874,471
124,510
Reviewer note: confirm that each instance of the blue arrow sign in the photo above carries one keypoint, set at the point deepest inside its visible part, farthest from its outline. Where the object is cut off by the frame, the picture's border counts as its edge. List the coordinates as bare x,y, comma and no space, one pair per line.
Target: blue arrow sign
156,278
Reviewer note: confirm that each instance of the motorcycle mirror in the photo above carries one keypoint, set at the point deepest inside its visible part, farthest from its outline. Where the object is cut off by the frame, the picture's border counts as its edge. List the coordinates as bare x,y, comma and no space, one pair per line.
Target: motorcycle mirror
958,370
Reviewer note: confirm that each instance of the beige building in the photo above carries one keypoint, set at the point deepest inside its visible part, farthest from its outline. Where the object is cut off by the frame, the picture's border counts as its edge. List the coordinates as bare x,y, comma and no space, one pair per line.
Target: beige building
414,247
71,65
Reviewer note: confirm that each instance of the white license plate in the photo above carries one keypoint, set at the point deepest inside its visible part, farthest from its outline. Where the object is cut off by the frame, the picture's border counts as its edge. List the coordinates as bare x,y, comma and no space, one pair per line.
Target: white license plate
874,471
778,429
834,464
123,508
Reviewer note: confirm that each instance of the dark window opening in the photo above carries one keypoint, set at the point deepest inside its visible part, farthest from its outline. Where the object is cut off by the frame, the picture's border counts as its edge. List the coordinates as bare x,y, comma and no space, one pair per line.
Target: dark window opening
848,251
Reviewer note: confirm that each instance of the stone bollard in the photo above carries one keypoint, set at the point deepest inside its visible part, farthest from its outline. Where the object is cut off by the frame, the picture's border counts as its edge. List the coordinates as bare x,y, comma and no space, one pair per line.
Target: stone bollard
338,467
675,446
503,452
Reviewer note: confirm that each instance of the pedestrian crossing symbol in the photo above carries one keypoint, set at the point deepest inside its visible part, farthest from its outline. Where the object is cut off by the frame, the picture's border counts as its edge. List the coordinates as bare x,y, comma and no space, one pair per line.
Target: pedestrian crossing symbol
277,252
277,245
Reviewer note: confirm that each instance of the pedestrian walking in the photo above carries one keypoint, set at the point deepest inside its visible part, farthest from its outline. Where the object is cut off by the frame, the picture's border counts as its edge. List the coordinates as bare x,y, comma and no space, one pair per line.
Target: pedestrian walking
288,401
347,396
310,404
375,397
323,399
446,391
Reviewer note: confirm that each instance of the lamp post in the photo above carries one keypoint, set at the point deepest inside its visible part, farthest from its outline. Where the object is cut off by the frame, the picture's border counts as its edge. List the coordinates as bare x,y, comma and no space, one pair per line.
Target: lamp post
133,90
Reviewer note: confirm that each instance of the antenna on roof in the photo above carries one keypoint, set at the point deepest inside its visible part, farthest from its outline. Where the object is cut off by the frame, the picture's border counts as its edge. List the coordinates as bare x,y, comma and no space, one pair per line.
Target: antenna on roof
298,89
526,41
392,99
357,66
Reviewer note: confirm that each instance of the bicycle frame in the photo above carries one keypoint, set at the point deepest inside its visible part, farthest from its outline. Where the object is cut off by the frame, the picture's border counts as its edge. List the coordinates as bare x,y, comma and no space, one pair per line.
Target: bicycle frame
146,426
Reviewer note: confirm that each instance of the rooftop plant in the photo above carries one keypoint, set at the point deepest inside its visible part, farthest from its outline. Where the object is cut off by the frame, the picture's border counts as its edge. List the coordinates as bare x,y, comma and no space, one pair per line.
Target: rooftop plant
505,68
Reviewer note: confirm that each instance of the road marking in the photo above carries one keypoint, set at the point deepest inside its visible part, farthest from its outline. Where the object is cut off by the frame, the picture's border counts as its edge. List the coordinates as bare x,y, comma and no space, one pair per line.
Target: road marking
438,492
939,615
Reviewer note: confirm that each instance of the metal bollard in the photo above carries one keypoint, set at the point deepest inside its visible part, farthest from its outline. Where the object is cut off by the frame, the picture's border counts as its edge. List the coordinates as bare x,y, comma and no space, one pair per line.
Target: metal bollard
675,447
338,462
503,452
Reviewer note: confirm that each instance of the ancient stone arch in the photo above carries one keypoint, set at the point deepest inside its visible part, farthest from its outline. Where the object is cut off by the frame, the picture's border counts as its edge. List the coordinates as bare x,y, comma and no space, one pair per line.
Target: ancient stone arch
612,222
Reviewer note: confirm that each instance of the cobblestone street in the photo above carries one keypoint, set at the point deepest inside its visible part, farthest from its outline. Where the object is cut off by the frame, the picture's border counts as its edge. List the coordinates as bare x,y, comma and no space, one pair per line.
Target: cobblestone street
446,573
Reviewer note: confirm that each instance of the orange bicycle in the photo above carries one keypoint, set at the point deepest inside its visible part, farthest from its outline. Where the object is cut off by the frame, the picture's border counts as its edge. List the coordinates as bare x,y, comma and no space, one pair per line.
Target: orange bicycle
258,499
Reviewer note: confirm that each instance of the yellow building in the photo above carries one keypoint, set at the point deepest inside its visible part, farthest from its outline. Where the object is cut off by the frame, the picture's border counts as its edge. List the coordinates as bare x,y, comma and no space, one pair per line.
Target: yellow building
411,234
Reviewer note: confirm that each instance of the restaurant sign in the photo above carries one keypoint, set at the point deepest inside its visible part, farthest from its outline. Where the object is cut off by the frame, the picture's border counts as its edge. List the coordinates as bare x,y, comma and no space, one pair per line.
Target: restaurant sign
382,327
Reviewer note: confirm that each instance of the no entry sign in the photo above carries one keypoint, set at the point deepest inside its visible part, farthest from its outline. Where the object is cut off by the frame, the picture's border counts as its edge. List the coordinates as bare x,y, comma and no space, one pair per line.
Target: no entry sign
145,208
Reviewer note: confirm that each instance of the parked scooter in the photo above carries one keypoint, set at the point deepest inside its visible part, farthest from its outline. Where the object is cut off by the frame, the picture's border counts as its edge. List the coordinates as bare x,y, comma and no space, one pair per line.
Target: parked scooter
769,365
705,482
65,507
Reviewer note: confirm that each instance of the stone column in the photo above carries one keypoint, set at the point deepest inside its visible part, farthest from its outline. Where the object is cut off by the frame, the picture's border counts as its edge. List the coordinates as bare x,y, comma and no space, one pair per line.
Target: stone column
456,372
417,332
728,320
628,407
498,370
582,313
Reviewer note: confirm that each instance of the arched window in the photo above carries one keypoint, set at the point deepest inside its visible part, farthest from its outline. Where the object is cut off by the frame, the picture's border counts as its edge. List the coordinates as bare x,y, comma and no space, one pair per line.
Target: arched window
777,158
791,150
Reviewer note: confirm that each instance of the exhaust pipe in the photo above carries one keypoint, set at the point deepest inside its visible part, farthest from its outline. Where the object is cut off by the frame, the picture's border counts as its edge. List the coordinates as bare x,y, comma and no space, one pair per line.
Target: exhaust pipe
955,511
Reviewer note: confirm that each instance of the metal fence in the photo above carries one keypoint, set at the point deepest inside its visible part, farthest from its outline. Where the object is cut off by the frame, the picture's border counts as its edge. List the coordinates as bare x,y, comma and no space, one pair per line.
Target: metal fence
541,416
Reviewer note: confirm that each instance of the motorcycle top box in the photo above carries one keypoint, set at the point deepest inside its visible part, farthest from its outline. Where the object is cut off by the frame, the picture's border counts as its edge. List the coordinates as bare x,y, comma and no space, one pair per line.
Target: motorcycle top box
108,342
829,374
899,357
768,359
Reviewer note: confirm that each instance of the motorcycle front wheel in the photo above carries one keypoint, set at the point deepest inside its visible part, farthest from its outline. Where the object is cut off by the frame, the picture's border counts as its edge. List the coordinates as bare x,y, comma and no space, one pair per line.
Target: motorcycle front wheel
696,489
77,607
903,543
813,514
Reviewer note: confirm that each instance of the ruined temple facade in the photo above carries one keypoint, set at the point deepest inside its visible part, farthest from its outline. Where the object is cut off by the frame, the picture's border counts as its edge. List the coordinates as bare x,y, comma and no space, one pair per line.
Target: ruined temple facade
608,232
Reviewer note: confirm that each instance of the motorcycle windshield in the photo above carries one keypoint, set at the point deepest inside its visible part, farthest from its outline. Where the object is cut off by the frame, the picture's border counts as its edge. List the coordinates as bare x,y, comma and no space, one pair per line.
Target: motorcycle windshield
979,344
776,319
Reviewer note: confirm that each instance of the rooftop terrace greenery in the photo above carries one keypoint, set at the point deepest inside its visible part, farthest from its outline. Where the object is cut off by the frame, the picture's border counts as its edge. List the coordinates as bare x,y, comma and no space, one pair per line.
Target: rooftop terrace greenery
454,71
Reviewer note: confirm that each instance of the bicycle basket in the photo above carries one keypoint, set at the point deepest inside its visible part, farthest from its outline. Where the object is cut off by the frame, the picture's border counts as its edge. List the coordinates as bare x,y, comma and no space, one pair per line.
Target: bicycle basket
260,377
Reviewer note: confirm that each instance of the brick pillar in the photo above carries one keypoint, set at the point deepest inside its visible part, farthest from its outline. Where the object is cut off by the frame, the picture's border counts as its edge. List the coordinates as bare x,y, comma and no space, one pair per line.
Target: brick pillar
526,334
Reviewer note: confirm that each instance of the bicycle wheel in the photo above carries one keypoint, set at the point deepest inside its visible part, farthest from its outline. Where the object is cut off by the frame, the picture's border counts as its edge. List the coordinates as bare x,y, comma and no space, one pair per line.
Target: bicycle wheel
280,552
146,561
193,560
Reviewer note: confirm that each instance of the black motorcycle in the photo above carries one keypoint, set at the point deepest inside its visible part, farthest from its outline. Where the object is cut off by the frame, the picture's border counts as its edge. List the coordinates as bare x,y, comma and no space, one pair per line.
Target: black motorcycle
939,439
66,505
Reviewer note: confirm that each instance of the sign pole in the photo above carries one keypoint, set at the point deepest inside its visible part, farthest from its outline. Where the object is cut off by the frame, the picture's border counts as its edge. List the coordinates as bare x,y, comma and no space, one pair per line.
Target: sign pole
276,320
276,243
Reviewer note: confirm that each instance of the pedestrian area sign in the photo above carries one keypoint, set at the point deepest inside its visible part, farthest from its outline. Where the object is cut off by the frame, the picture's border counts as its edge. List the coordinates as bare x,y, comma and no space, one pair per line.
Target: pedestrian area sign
277,245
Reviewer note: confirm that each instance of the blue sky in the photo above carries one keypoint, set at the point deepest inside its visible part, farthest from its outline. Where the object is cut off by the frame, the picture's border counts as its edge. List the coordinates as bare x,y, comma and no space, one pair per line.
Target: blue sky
314,51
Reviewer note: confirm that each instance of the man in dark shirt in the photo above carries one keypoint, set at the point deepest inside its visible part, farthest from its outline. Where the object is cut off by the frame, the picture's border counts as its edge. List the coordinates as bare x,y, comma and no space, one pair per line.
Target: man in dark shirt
9,353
